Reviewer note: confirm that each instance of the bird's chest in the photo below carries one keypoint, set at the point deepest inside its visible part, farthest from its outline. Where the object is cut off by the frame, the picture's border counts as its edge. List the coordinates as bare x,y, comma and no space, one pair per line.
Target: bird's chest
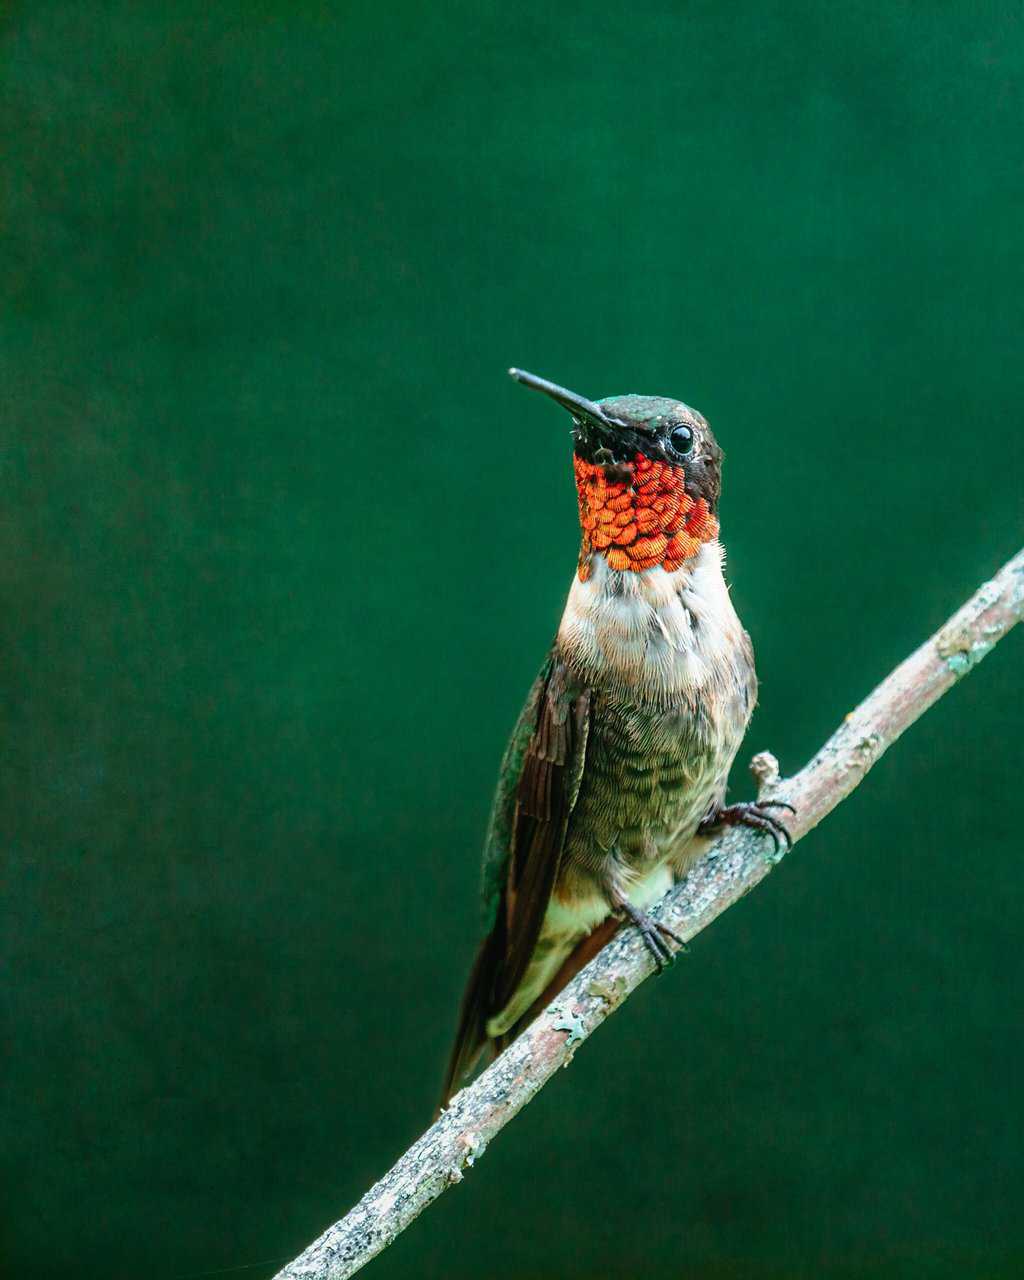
673,685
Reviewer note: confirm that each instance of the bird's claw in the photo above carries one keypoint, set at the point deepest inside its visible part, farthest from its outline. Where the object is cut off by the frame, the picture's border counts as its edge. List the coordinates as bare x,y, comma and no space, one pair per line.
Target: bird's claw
656,936
751,813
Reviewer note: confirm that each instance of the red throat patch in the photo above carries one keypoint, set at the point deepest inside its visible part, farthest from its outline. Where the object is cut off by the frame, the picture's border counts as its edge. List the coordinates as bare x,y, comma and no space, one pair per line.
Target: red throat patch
646,520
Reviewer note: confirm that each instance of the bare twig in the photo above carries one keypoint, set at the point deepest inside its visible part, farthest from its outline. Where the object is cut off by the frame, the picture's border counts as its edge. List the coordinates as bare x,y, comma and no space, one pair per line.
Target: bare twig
730,868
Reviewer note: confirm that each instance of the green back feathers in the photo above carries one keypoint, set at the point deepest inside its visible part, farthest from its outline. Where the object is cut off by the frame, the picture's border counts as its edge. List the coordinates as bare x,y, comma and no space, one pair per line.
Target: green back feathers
498,841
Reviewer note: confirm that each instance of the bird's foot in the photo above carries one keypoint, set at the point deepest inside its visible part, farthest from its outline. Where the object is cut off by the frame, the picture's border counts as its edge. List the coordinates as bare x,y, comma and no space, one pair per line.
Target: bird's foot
657,937
750,813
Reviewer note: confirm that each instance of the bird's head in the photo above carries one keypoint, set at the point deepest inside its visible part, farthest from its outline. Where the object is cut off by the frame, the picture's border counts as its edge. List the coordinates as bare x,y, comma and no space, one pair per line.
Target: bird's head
648,476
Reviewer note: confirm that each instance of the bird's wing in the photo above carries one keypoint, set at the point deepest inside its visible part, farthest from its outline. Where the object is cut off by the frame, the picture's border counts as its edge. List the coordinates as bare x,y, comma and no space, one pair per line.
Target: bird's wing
539,783
548,786
498,842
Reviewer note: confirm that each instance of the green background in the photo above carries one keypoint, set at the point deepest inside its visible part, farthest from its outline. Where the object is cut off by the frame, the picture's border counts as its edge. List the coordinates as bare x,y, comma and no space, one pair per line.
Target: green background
283,548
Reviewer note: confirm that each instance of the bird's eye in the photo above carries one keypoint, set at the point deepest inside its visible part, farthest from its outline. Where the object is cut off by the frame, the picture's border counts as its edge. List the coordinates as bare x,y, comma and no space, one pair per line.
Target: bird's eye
681,439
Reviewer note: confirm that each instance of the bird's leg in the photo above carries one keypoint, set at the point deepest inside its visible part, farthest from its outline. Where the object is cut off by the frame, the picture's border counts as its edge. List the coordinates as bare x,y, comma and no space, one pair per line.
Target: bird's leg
750,813
657,936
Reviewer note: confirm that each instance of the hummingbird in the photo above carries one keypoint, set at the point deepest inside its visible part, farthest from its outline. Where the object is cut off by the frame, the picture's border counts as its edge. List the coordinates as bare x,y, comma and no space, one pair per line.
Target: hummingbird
615,775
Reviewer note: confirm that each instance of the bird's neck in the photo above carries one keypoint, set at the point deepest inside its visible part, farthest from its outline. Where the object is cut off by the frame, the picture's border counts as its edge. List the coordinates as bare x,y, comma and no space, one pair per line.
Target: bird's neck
638,515
655,635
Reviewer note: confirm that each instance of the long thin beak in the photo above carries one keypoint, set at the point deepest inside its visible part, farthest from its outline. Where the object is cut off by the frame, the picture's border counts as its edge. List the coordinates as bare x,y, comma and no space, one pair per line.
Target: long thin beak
577,405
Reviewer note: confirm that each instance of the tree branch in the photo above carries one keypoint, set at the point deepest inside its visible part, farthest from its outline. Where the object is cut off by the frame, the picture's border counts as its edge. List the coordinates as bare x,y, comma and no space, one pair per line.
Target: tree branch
729,869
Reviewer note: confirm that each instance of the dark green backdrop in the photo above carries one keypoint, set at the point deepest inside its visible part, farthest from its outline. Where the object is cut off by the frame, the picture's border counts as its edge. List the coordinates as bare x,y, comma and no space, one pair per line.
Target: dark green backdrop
274,588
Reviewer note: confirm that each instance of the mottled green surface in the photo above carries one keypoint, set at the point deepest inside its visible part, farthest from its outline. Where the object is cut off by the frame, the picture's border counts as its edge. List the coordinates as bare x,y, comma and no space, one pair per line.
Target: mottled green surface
283,548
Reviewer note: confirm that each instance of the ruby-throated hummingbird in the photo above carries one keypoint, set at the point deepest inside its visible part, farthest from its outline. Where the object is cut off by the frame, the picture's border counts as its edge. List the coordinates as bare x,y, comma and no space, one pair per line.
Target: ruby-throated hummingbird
617,767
